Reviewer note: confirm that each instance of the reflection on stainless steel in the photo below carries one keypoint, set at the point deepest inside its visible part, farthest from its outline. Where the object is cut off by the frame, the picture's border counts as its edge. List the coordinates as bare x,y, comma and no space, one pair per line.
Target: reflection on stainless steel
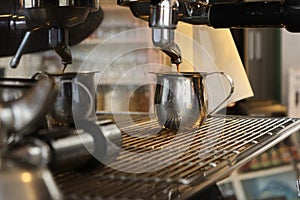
68,148
76,92
181,100
30,151
57,16
164,39
24,114
27,183
16,59
107,138
37,15
164,14
163,21
55,13
298,186
221,145
78,147
14,88
15,22
111,132
59,41
91,4
222,15
61,149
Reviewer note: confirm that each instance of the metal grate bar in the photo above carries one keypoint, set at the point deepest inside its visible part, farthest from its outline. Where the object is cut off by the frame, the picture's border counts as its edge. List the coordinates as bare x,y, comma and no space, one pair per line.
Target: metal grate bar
192,158
231,141
89,187
158,157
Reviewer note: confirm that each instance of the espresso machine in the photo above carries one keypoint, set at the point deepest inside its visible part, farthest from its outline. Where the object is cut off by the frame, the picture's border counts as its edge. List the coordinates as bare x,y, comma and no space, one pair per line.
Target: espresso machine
149,167
163,17
31,26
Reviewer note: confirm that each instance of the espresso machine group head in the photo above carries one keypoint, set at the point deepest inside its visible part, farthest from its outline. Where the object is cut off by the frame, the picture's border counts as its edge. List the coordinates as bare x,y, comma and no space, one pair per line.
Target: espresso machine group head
45,24
163,16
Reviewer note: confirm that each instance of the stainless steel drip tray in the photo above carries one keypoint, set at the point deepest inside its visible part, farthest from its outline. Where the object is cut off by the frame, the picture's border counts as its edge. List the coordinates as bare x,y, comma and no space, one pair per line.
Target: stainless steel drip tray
164,164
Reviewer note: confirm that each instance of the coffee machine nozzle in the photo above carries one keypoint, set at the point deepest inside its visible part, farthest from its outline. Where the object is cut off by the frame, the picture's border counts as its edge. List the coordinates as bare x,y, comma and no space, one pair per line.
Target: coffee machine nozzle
163,19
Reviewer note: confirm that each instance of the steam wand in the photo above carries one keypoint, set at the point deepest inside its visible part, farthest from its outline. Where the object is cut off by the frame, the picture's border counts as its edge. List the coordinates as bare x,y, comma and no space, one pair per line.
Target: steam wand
17,57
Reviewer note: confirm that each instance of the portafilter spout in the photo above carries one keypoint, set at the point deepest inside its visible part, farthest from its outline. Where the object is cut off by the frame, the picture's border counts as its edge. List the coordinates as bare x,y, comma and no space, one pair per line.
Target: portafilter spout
164,39
59,40
163,21
162,16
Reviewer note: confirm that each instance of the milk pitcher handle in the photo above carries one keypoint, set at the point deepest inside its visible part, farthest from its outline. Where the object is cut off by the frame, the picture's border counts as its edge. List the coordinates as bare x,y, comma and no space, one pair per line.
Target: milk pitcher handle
230,81
38,74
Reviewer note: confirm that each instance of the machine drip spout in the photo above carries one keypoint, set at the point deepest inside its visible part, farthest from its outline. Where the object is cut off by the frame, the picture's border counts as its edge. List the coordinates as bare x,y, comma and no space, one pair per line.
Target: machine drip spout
163,21
59,40
164,39
65,54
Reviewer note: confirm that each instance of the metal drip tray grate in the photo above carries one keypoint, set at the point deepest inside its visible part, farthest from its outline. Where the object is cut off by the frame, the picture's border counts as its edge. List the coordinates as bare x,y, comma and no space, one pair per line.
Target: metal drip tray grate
159,164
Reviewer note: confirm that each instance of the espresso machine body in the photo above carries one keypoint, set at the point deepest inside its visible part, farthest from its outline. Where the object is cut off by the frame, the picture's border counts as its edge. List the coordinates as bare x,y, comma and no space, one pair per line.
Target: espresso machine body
28,26
33,26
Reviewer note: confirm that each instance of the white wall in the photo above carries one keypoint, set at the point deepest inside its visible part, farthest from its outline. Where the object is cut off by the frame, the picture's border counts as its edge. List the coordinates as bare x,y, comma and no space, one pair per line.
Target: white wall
290,58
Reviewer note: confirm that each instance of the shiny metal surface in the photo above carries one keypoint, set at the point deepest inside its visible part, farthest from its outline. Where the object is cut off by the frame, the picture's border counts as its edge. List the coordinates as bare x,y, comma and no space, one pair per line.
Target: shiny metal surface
25,114
164,39
39,15
181,100
164,14
14,88
107,140
14,24
59,41
17,57
163,20
221,145
61,14
91,4
27,183
76,92
67,148
30,151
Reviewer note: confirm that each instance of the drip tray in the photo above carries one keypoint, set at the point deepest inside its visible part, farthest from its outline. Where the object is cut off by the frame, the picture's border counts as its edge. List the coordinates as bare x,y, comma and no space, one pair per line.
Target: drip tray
164,164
